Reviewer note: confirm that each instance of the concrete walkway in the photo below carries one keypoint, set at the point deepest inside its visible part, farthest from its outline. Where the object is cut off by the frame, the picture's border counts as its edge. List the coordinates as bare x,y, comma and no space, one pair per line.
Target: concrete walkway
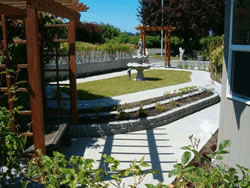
160,146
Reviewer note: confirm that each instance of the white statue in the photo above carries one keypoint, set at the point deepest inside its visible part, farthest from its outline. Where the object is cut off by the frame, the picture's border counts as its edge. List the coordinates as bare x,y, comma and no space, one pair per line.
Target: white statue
181,53
147,54
139,52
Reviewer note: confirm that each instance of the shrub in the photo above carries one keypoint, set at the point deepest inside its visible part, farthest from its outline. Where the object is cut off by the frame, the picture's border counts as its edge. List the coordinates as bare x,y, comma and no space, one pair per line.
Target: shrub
159,107
204,46
121,113
167,94
215,42
109,31
141,112
216,60
176,43
173,103
11,144
209,44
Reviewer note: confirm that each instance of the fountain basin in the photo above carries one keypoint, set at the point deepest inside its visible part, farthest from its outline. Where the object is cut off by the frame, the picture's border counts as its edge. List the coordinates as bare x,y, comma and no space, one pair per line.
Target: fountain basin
139,67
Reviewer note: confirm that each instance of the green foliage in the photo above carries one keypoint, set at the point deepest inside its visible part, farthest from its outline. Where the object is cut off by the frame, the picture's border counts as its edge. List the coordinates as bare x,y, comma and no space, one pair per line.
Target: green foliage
192,19
173,103
202,173
216,60
176,43
187,89
109,31
167,94
212,48
204,46
159,185
121,113
209,44
56,171
153,41
159,107
141,112
112,47
11,144
134,170
215,42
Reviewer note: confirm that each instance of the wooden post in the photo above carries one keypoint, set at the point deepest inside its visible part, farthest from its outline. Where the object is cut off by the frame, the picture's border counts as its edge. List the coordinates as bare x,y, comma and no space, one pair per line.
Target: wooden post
72,71
41,33
141,35
144,42
33,57
7,64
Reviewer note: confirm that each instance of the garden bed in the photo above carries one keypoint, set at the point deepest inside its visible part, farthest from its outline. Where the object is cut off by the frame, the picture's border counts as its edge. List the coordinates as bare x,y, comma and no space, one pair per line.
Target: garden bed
143,109
143,117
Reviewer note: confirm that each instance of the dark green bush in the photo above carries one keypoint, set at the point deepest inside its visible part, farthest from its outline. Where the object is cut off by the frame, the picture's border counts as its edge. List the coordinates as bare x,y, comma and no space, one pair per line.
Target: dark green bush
176,43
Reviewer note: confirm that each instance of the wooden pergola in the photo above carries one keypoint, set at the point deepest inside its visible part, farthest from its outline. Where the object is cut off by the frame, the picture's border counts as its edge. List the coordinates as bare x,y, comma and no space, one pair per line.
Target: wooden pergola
167,30
28,10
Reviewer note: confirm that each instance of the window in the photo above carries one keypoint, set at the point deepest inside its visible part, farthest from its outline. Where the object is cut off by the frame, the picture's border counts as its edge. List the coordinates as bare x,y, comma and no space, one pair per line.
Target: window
239,52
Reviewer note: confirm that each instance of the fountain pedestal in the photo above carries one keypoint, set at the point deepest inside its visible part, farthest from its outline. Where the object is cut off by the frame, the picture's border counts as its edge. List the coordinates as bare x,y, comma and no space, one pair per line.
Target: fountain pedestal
139,68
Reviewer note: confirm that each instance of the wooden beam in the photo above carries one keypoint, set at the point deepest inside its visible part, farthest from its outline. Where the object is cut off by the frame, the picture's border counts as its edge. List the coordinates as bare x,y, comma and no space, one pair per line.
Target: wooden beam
33,57
50,6
10,11
155,28
72,70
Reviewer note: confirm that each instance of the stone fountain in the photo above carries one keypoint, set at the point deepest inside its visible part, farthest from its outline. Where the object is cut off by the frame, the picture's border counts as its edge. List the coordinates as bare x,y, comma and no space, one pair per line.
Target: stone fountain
141,63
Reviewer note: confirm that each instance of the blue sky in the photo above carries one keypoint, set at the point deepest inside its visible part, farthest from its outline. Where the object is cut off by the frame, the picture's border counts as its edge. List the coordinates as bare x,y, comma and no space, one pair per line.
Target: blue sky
120,13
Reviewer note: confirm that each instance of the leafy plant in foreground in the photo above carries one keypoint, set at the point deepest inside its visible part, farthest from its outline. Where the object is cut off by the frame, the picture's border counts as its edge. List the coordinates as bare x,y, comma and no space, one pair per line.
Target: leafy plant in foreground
11,144
202,173
56,171
134,170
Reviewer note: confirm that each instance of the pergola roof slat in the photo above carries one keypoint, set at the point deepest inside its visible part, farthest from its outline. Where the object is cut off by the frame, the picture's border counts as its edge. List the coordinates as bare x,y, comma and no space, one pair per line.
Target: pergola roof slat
64,8
9,10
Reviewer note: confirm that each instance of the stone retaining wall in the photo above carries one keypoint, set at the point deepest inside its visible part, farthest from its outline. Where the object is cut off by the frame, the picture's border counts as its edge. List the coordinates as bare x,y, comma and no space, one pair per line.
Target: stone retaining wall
122,127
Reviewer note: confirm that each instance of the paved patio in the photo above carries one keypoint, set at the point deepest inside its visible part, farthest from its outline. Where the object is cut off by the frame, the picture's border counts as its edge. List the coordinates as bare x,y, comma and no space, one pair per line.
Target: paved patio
160,146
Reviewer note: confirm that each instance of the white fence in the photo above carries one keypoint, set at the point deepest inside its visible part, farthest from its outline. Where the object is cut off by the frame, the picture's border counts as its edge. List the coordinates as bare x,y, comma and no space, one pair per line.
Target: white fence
85,69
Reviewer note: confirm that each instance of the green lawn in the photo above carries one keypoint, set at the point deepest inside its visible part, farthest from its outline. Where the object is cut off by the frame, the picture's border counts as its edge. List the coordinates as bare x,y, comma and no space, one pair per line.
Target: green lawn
121,85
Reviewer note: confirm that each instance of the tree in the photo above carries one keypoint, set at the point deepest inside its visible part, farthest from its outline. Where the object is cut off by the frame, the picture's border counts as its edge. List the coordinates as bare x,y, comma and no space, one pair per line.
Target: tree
192,19
89,32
